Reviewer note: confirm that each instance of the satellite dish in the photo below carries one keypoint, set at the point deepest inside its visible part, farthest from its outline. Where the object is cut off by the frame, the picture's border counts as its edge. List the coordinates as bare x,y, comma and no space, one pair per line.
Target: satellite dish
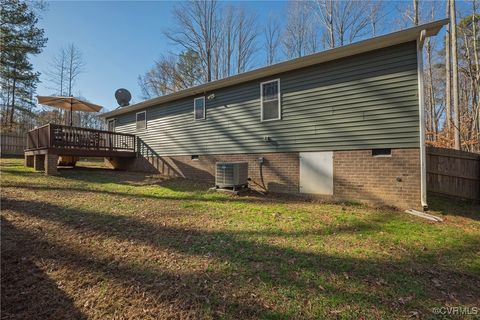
123,97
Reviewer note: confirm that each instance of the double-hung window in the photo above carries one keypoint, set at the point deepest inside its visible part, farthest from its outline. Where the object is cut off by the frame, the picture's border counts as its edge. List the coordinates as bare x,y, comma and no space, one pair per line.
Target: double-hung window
270,100
199,108
141,120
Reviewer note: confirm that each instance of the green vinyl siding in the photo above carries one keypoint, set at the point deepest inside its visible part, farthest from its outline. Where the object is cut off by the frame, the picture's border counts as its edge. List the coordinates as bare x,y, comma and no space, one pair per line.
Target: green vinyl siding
360,102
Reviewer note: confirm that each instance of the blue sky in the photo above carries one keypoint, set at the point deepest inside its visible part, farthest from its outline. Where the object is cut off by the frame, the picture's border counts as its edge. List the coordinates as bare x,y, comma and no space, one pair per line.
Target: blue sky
119,41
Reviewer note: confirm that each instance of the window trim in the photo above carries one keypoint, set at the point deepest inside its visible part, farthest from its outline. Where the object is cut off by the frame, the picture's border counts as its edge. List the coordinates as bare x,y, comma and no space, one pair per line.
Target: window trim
279,100
136,120
114,124
204,109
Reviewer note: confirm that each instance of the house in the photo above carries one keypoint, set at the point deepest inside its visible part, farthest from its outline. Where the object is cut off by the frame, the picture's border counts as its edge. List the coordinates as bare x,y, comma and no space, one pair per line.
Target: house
344,123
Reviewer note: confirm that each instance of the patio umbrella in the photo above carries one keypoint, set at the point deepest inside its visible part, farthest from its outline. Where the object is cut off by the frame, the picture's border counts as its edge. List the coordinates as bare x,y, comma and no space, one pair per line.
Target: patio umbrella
68,103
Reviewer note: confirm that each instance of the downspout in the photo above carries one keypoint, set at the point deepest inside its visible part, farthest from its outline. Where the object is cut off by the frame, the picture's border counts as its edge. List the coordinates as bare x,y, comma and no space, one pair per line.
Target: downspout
421,111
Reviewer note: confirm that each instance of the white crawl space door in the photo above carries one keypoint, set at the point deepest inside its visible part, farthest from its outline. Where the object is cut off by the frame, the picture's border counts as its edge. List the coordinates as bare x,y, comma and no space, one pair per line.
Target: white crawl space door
316,172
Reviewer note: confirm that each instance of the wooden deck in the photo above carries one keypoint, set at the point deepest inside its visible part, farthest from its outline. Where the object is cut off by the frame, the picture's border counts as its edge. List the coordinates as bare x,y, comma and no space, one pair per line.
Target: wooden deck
83,142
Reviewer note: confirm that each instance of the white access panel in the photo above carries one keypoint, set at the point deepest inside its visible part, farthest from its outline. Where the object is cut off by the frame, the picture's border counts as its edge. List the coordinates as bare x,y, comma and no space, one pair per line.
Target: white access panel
316,172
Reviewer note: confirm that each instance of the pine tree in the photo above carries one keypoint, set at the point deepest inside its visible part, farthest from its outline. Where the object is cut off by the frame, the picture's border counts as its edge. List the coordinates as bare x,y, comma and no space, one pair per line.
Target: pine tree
19,38
189,69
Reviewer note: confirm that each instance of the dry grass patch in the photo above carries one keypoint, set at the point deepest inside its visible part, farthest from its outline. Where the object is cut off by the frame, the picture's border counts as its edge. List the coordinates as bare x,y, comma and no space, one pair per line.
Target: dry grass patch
98,244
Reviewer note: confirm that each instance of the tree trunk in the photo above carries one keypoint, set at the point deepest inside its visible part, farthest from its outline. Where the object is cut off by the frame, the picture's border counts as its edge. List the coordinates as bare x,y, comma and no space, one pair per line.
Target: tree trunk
5,117
70,74
12,111
456,107
474,35
61,77
432,92
209,66
475,106
448,77
415,12
330,26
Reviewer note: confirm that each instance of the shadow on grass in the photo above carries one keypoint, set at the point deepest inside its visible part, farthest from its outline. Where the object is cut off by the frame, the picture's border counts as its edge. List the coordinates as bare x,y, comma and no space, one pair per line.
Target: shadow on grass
455,207
187,191
197,189
186,292
274,266
27,292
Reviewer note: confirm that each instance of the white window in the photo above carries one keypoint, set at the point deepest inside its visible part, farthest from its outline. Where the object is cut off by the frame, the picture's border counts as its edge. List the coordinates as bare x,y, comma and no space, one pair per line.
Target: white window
111,125
141,120
270,100
199,108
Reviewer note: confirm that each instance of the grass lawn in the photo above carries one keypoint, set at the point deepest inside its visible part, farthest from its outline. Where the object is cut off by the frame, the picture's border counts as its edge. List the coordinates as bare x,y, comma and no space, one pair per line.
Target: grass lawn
100,244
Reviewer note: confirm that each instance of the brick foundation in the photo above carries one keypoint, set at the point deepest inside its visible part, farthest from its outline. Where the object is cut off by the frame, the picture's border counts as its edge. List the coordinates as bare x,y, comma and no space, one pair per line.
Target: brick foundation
392,181
51,161
42,162
280,170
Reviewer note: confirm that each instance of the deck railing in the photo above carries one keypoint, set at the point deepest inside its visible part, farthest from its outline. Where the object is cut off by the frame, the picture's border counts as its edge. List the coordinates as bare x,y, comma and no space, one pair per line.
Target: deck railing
55,136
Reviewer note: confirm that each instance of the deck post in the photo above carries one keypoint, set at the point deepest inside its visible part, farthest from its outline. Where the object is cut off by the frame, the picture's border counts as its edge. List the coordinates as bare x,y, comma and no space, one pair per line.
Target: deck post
39,162
51,161
37,144
50,135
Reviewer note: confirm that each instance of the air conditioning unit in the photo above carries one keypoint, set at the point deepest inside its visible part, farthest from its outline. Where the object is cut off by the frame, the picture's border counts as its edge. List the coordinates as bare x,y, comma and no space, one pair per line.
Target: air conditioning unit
231,175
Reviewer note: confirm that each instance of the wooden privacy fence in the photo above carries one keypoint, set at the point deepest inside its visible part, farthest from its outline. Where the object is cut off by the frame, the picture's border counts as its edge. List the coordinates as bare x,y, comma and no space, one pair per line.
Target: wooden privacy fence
12,144
453,173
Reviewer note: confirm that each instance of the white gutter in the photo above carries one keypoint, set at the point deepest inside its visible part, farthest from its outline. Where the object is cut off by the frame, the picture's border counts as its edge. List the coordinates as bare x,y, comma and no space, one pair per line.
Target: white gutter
421,110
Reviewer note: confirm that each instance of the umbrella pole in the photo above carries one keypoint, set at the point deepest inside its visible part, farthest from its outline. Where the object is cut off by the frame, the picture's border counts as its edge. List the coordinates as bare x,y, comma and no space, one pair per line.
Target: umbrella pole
71,115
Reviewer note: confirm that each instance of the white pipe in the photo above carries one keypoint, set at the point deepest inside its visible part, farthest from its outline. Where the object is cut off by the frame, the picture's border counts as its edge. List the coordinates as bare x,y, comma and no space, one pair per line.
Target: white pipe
421,111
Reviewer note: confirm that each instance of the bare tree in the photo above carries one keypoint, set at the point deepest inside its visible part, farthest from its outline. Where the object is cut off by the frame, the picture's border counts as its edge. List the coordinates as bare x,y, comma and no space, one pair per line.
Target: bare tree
468,80
229,40
448,74
300,35
56,73
429,45
74,67
456,110
217,59
325,13
272,39
161,79
197,29
375,16
475,72
474,38
170,74
246,36
476,108
415,13
411,13
63,72
346,21
351,20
